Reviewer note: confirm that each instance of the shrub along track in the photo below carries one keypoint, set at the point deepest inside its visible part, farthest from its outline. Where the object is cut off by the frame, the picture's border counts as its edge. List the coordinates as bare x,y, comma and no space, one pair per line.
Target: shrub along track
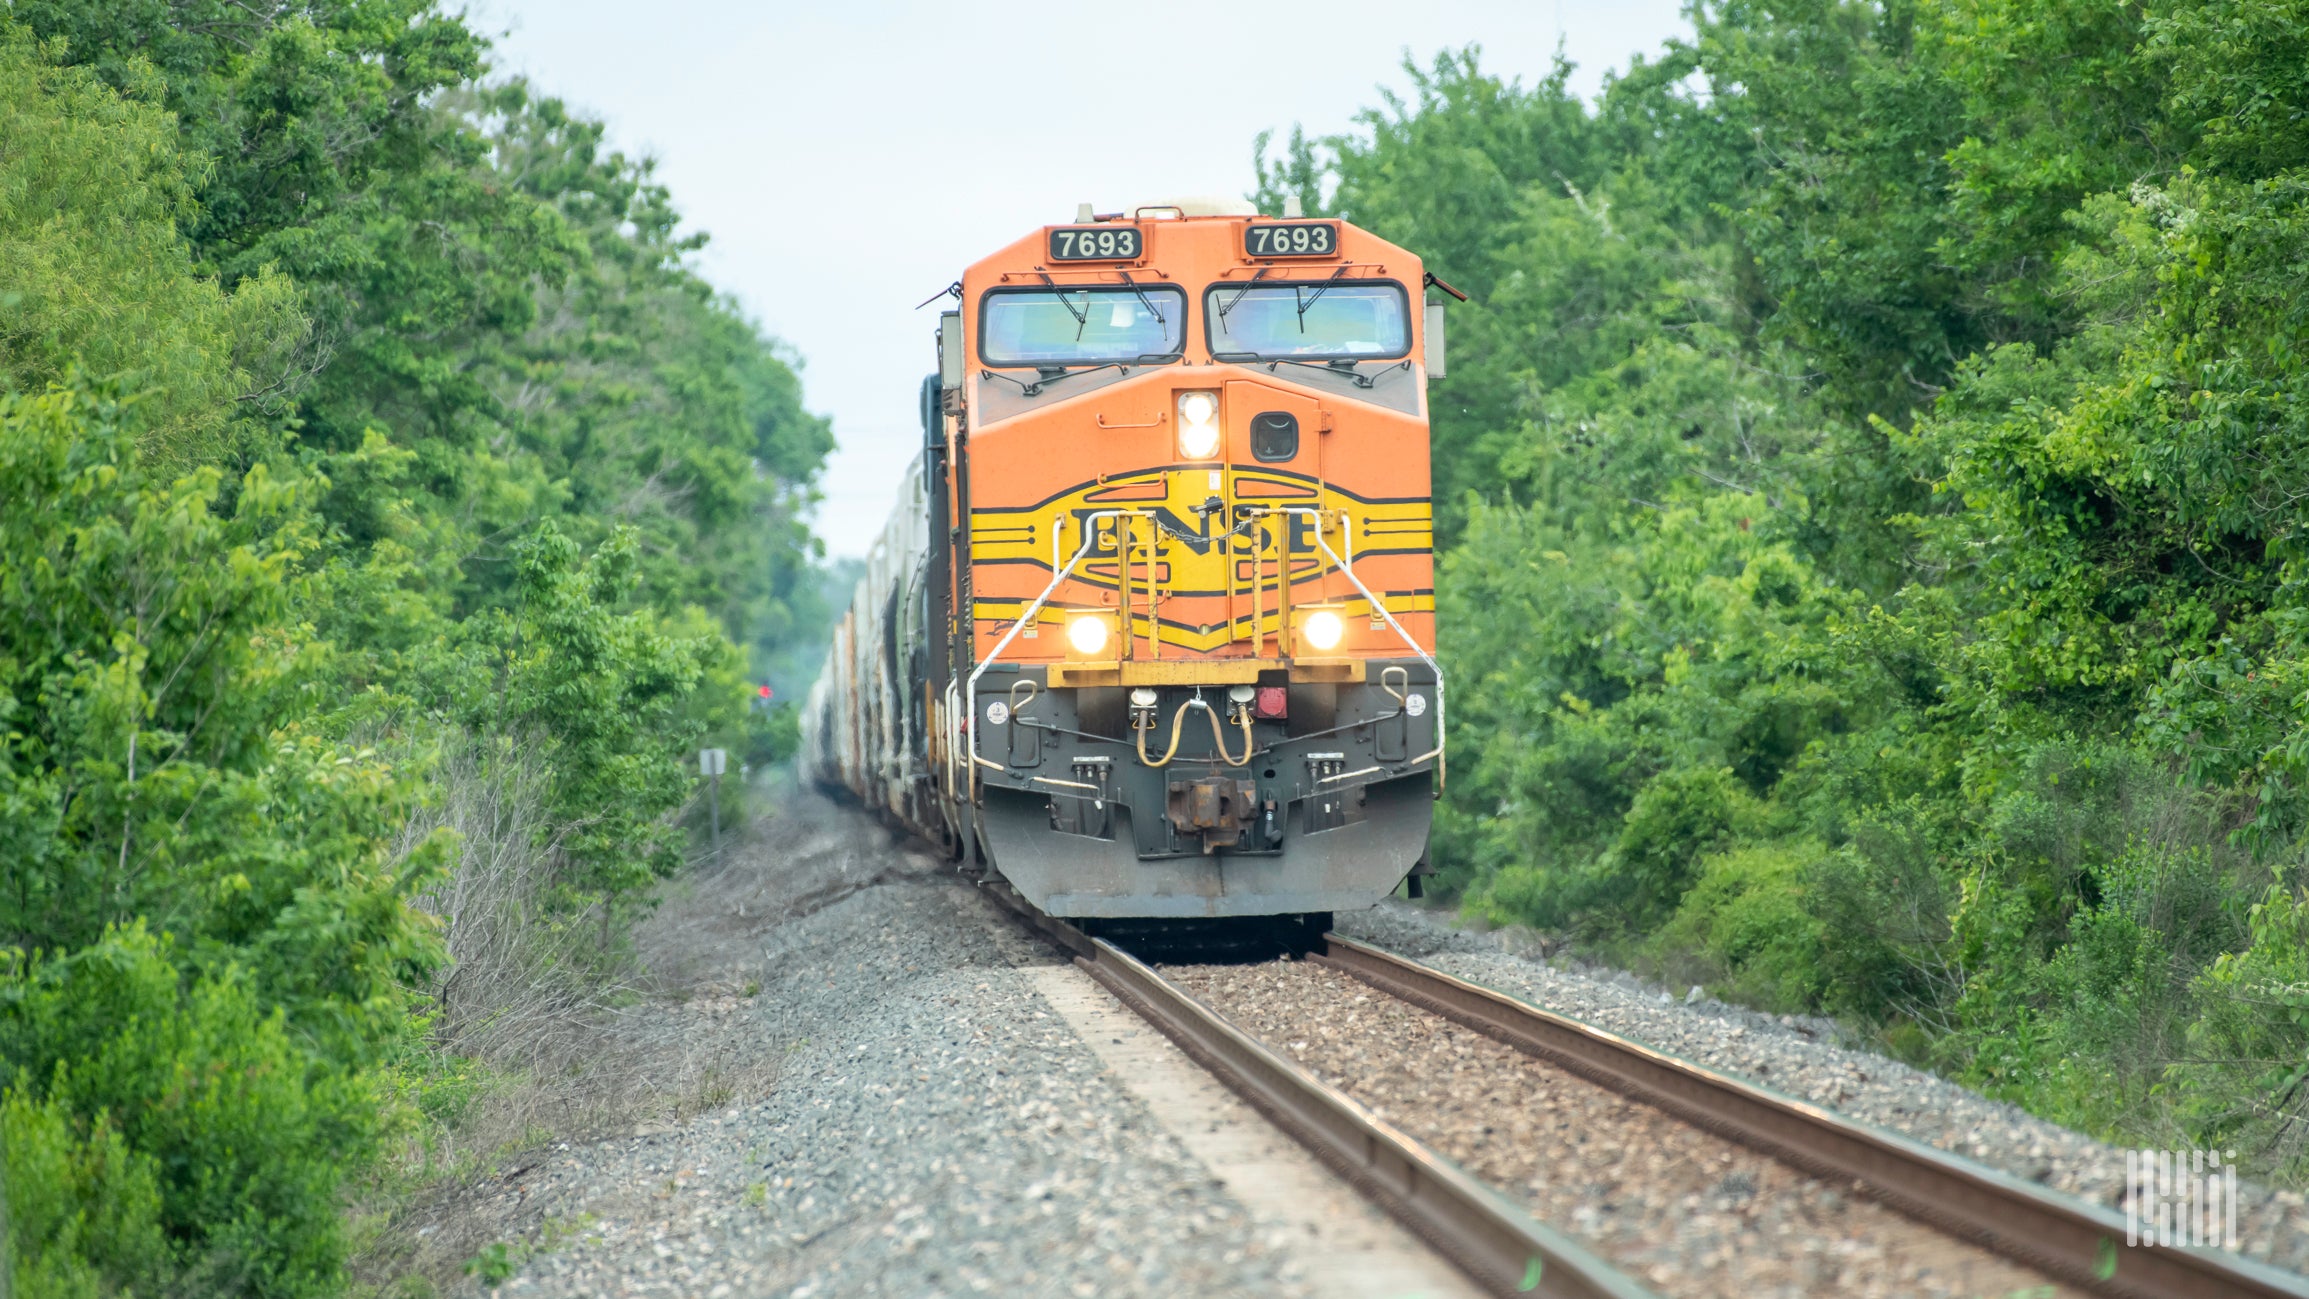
1697,1182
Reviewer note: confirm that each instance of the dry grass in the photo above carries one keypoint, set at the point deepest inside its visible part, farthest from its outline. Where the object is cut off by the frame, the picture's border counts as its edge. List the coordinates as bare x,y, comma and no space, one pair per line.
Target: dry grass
521,969
547,1030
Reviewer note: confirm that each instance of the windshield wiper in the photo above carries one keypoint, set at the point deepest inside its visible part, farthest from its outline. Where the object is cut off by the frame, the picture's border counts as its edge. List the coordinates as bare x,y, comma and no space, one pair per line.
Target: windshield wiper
1046,375
1320,290
1081,318
1145,301
1243,290
1343,368
1053,373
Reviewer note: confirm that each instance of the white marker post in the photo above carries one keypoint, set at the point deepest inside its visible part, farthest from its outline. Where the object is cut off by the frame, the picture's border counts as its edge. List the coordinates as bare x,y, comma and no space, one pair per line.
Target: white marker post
712,763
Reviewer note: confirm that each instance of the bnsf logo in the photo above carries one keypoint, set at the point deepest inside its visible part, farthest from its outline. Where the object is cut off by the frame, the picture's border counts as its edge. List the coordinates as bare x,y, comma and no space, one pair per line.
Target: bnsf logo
1198,531
1211,568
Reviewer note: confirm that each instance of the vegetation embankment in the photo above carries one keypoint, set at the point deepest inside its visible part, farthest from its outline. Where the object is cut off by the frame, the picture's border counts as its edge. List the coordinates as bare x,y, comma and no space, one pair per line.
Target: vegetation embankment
389,513
1870,483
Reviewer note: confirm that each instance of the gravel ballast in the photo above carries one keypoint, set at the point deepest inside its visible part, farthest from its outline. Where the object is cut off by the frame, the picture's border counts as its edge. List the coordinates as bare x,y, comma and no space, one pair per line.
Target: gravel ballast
1688,1212
933,1127
1807,1058
858,1090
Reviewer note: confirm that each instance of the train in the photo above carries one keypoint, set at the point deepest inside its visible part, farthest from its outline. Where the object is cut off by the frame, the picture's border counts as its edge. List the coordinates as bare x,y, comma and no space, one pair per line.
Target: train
1150,632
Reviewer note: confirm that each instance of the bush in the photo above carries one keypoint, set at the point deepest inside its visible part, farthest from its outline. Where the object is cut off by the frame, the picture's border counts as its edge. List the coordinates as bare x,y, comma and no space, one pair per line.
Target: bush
772,734
612,688
1882,904
1677,819
1746,915
156,753
79,1214
2248,1074
246,1135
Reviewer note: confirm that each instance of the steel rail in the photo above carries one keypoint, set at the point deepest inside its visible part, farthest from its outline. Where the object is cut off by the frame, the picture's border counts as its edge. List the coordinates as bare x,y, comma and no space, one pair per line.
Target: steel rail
1482,1232
2068,1239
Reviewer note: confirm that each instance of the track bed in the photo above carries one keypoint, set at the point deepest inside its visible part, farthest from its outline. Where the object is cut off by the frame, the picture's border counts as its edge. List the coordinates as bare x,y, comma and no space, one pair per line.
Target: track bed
1500,1132
1687,1212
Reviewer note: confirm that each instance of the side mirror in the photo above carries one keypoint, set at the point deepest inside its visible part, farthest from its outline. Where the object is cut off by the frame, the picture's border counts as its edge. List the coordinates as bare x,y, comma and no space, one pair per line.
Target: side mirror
950,365
1435,349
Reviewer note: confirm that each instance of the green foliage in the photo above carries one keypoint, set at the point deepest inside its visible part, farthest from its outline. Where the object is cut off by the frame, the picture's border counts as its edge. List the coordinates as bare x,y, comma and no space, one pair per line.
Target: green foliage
609,688
2239,72
246,1132
348,408
157,759
772,734
1868,482
158,768
495,1265
2248,1071
93,272
1746,914
1677,818
84,1211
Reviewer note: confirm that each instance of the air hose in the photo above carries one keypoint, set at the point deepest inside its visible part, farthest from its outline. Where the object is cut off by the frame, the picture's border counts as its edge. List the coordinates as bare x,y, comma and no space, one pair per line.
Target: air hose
1218,736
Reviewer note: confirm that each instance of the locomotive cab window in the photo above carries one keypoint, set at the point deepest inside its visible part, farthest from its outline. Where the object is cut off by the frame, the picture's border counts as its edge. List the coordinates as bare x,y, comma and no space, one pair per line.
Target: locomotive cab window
1328,320
1080,325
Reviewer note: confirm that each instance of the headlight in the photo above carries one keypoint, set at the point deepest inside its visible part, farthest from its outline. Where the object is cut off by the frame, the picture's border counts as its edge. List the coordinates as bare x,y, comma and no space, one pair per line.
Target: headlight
1087,634
1323,629
1198,425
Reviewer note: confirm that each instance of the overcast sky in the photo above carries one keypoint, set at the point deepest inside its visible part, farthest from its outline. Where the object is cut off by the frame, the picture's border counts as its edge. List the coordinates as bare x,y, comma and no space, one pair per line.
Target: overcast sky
849,158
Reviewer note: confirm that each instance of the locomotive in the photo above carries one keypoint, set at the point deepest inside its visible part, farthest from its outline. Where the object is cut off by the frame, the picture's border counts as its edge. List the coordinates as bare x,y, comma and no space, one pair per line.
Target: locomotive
1150,632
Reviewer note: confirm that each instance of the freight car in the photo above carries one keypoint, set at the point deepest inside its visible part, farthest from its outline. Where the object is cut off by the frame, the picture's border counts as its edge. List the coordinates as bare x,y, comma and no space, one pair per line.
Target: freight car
1151,630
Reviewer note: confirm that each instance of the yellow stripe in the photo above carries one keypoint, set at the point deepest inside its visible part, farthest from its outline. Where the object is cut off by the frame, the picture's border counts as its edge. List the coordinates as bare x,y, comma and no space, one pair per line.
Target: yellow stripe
1001,613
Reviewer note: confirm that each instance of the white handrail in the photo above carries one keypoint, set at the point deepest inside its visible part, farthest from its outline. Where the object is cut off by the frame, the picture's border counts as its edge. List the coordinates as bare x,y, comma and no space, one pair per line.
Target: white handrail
1089,538
1347,526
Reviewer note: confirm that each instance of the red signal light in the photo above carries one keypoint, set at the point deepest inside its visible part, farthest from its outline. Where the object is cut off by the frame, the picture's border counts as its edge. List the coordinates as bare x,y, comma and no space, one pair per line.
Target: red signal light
765,692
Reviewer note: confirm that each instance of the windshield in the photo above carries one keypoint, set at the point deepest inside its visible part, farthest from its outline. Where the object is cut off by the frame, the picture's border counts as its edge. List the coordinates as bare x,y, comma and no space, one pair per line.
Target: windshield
1326,321
1076,326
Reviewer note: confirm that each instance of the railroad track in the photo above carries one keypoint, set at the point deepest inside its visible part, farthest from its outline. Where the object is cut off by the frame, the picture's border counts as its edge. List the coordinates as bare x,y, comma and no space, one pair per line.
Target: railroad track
1498,1242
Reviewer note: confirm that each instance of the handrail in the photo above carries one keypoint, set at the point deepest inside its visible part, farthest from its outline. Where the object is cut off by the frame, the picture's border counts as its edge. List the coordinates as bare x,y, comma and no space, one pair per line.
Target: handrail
1156,422
1090,538
1026,618
1347,566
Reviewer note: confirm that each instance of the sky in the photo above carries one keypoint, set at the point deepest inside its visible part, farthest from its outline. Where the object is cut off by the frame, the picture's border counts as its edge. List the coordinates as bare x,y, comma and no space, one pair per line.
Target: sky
849,159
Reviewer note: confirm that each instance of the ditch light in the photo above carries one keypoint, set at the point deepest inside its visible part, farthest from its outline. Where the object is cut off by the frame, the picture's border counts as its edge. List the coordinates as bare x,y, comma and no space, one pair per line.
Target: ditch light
1089,634
1322,628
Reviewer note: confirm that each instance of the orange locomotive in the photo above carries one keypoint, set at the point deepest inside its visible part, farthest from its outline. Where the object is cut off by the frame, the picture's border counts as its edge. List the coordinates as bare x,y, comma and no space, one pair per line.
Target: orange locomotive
1151,632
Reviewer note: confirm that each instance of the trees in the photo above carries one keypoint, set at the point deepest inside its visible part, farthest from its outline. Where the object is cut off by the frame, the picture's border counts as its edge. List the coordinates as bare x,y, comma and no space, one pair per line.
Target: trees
351,415
208,947
91,194
1873,454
